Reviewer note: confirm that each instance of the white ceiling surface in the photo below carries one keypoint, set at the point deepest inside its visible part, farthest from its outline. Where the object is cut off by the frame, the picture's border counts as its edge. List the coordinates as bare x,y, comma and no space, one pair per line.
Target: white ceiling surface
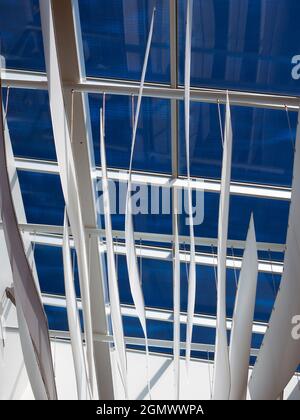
15,385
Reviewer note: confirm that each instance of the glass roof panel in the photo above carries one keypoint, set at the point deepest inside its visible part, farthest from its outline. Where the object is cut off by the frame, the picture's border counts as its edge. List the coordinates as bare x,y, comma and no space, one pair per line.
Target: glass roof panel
270,218
29,123
243,45
263,145
145,220
57,318
164,331
153,142
49,264
42,197
157,281
239,45
21,35
115,34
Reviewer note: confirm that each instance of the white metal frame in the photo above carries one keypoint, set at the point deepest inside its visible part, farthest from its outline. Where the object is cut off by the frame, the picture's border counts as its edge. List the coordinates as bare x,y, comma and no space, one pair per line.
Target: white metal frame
162,180
75,80
38,80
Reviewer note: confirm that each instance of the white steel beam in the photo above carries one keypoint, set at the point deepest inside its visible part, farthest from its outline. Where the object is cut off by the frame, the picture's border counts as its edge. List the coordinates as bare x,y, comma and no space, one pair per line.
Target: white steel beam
156,314
160,180
21,79
165,254
150,237
138,341
36,80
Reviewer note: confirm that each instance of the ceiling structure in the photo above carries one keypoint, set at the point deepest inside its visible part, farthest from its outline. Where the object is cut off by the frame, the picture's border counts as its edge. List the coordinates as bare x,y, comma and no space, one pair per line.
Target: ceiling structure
100,49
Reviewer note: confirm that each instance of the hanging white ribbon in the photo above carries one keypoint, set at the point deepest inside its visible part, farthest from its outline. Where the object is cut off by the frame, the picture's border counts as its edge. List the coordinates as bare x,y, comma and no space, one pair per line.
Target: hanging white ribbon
279,356
192,266
241,331
2,335
176,302
116,317
29,354
132,265
221,387
36,344
82,383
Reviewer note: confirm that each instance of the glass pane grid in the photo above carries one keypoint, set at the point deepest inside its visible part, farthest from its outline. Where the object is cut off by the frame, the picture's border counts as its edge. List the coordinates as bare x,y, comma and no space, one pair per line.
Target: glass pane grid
114,39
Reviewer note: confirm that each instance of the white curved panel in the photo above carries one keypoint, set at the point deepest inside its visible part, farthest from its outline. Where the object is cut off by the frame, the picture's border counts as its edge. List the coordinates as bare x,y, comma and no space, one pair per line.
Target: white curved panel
192,265
132,265
279,354
115,305
82,383
30,307
241,332
32,367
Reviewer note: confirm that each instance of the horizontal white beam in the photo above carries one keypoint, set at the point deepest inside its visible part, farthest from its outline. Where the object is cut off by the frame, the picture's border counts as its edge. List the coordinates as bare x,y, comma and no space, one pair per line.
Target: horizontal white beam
156,314
35,80
207,185
138,341
150,237
24,79
166,254
56,335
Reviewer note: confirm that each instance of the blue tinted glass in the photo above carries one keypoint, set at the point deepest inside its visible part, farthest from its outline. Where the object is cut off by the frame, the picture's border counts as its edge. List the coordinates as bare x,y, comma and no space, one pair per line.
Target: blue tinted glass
164,331
57,318
153,142
49,264
262,255
157,281
145,220
115,34
42,197
273,256
270,218
267,288
21,41
29,123
244,45
263,146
